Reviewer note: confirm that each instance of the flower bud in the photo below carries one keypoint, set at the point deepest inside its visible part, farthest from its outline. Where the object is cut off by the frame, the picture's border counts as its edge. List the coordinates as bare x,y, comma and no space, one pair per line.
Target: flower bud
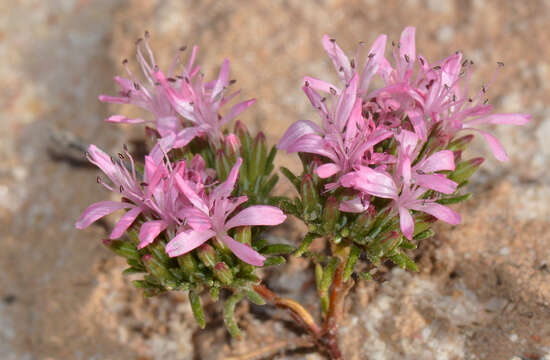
223,273
465,169
159,271
310,198
207,254
122,248
460,143
232,143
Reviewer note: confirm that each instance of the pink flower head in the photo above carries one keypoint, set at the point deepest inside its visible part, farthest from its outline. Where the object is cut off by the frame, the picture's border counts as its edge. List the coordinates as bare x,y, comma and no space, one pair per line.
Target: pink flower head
347,138
405,198
155,196
199,103
208,218
147,95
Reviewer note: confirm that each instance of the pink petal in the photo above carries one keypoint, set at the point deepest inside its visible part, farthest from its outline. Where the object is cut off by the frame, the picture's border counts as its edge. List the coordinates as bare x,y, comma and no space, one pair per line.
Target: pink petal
441,160
450,70
190,194
149,232
376,54
439,211
406,222
103,161
320,85
125,222
296,131
123,120
167,125
346,101
437,182
223,79
196,219
236,110
510,119
257,215
404,169
226,188
313,144
407,44
185,136
327,170
372,182
408,141
494,144
338,57
354,205
113,99
98,210
419,123
186,241
244,252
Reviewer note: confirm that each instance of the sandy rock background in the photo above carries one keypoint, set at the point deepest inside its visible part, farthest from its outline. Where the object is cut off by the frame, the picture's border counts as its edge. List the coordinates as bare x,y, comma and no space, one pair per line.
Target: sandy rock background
484,287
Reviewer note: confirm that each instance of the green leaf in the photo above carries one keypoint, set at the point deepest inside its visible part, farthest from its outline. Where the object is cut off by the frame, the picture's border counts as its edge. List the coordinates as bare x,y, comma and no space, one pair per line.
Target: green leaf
308,239
354,253
229,315
454,200
277,249
195,302
404,262
254,297
291,177
132,270
428,233
274,260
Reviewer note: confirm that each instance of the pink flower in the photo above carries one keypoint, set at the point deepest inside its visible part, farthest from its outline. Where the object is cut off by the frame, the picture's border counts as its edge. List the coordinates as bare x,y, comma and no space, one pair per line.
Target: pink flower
208,218
200,104
405,198
346,139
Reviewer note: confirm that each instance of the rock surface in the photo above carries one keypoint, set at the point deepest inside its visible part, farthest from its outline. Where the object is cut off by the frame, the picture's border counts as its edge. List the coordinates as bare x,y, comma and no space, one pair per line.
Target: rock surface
483,291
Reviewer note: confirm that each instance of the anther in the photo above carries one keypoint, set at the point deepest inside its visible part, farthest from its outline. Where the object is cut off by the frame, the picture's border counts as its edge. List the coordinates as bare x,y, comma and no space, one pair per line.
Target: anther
147,35
392,43
352,63
121,188
125,61
232,81
138,41
500,63
485,101
465,62
306,83
171,79
183,48
407,59
341,69
98,179
371,55
333,91
323,99
470,100
332,40
120,156
421,61
156,68
125,147
136,86
437,67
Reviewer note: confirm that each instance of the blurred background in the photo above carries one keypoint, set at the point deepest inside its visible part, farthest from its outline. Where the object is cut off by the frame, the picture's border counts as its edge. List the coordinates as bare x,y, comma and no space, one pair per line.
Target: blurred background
483,291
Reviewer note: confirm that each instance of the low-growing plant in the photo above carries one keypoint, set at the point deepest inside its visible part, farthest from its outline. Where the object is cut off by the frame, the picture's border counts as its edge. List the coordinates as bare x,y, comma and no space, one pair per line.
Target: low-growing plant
379,169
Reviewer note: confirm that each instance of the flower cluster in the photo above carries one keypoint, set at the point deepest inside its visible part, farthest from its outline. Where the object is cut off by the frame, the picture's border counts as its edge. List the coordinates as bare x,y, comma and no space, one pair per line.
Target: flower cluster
394,142
195,204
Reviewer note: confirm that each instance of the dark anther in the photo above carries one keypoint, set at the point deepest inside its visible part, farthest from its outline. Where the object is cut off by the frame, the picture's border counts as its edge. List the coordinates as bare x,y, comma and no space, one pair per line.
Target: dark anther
500,63
323,99
392,43
465,62
371,55
179,77
485,102
333,91
171,79
420,172
136,86
333,40
232,81
147,35
125,61
120,156
98,179
143,184
187,80
407,59
471,62
483,89
113,160
352,63
421,61
125,147
306,83
341,69
470,100
183,48
157,83
437,67
156,68
138,41
121,188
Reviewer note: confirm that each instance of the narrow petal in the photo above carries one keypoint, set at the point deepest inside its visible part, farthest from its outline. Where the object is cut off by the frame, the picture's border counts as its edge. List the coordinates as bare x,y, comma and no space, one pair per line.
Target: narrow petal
125,222
441,160
98,210
338,57
494,144
313,144
372,182
441,212
244,252
257,215
320,85
123,120
190,194
186,241
406,222
196,218
346,101
407,45
509,119
149,232
296,131
223,79
354,205
437,182
237,110
226,188
327,170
